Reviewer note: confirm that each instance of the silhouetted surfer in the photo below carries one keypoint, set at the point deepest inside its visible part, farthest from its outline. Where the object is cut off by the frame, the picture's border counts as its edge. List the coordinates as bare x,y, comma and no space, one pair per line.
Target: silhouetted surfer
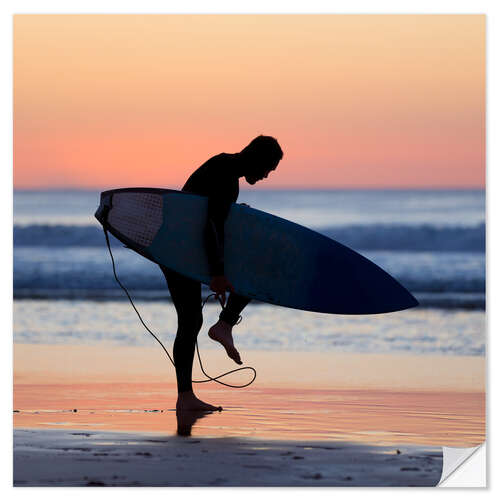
218,179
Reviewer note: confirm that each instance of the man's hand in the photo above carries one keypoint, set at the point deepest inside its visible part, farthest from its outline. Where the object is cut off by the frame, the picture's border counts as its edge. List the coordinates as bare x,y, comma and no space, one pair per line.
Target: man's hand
219,285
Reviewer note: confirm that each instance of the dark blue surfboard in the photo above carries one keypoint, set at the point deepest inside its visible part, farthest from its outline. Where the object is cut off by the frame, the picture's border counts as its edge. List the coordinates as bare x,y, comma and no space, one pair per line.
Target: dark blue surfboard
265,257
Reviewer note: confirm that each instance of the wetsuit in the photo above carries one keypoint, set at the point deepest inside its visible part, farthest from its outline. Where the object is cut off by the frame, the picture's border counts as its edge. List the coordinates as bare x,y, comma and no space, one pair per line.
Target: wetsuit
218,180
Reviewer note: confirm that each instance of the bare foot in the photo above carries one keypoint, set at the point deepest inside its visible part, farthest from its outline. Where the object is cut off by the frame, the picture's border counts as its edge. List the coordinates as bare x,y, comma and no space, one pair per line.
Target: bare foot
222,332
187,401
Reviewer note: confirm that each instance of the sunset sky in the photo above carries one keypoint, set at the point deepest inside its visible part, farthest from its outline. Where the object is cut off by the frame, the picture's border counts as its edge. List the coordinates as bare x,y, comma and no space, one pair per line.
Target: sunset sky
356,101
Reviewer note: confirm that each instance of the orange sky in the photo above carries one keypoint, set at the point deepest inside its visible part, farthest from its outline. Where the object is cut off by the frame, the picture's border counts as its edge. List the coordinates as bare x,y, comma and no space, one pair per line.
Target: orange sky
354,100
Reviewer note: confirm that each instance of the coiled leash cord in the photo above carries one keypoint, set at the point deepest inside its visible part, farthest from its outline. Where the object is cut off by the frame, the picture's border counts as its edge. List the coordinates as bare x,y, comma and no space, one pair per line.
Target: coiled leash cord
209,378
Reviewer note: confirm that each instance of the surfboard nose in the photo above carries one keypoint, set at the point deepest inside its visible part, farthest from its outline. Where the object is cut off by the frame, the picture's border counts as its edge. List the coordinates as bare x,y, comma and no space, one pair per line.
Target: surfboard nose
359,285
413,302
406,301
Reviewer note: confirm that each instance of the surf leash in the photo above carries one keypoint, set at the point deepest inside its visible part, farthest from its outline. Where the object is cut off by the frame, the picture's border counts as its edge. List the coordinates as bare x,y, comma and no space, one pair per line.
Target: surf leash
209,378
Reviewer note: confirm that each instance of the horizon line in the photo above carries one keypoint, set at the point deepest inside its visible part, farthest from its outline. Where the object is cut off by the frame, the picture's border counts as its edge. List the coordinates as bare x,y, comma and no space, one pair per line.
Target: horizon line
274,188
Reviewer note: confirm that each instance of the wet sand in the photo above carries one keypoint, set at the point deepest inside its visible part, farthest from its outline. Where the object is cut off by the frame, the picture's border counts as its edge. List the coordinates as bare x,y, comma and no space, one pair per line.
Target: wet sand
95,458
350,413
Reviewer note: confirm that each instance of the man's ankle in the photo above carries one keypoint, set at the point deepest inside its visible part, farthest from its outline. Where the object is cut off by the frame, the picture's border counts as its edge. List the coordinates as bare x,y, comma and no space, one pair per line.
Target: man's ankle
184,394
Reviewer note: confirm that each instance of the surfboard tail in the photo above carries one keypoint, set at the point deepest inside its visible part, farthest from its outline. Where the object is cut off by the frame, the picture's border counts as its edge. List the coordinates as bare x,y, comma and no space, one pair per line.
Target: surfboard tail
101,214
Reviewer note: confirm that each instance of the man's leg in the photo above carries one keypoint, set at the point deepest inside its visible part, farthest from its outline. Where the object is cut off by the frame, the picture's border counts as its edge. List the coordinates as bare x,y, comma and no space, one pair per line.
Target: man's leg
235,304
222,330
186,296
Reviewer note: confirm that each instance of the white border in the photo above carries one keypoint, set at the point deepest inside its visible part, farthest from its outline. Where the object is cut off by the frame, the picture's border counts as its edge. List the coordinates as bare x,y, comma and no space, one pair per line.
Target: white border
258,6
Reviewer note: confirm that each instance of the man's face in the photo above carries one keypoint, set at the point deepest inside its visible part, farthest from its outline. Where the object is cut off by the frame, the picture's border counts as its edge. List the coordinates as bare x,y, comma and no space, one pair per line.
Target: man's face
261,172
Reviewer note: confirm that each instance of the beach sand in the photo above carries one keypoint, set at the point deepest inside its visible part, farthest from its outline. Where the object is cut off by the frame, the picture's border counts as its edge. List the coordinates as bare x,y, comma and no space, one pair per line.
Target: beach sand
90,458
91,415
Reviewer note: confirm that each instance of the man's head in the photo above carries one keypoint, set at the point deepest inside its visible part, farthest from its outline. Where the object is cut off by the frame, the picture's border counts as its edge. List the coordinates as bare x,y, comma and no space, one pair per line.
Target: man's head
261,157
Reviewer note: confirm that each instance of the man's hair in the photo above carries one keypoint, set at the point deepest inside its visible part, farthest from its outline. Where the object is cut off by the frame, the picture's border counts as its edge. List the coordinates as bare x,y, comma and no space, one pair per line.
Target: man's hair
264,146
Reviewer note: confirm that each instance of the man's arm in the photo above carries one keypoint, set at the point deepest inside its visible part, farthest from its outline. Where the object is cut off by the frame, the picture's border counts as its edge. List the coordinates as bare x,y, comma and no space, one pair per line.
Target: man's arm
219,203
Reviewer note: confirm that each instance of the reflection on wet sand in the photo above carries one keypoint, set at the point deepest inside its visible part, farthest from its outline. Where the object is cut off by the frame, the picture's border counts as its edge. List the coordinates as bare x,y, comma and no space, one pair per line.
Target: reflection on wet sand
186,420
366,416
300,396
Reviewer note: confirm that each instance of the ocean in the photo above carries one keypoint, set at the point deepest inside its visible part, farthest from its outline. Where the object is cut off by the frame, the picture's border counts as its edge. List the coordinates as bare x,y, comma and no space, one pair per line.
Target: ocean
432,241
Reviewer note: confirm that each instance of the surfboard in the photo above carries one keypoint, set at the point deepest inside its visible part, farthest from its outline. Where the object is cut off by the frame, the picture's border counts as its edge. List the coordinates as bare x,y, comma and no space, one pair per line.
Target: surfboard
266,257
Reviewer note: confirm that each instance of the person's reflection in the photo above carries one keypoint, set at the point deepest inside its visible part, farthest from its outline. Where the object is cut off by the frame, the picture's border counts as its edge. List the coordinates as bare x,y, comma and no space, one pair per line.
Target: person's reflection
186,420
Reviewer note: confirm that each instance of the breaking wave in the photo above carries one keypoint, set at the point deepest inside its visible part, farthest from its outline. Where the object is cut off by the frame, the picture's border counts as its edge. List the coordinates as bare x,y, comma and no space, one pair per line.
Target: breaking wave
360,237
